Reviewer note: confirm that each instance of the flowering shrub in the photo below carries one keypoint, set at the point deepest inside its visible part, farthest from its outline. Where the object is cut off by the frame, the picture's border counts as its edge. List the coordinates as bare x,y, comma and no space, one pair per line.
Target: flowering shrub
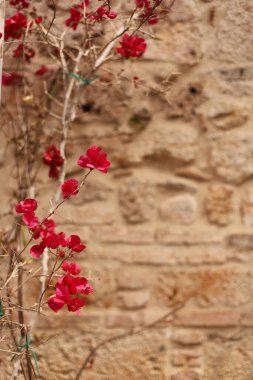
49,62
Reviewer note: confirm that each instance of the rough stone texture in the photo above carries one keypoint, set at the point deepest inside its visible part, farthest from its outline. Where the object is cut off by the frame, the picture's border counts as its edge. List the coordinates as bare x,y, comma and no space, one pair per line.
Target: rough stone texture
219,204
172,220
136,200
247,207
232,155
179,209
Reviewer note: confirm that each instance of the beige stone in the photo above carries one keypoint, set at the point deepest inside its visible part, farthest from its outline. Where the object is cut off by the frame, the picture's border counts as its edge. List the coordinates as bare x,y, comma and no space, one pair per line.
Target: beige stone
247,207
181,209
232,155
134,299
222,114
136,200
187,337
186,358
219,204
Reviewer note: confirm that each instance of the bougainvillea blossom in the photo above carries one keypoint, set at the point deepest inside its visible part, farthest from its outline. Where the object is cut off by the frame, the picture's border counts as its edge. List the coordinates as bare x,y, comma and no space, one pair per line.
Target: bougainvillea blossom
28,204
102,13
15,25
20,3
24,51
53,159
37,250
132,46
74,243
95,158
70,188
30,219
42,70
76,15
68,291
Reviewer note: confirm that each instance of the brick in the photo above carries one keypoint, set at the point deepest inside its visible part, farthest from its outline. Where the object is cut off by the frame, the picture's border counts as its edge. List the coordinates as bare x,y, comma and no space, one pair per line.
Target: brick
187,337
210,318
121,234
219,204
186,374
154,255
115,318
133,299
241,240
173,236
136,278
186,358
181,209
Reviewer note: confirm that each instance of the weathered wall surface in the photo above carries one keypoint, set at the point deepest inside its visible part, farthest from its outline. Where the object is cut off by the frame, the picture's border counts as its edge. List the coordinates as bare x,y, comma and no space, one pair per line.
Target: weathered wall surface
173,218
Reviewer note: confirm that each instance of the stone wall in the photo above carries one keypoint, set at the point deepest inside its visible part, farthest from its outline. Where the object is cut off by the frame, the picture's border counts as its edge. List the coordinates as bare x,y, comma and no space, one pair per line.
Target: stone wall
172,221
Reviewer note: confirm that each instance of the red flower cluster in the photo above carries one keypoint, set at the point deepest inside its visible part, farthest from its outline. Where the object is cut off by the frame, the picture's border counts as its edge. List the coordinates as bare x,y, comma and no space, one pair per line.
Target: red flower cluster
76,15
70,289
95,158
19,3
53,159
24,51
46,232
148,10
14,26
27,207
42,70
70,188
101,14
11,78
132,46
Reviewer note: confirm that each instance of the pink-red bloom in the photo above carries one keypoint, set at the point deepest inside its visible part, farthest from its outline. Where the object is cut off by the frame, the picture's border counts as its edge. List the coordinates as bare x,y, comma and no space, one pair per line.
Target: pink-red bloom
37,250
20,3
53,159
68,291
95,158
14,26
70,188
42,70
101,14
74,243
24,51
76,15
30,219
132,46
28,204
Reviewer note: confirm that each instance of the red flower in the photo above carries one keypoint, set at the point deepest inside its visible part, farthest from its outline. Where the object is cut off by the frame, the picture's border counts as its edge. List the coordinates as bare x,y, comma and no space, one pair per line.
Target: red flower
24,51
101,14
38,20
72,268
95,158
14,26
7,79
37,250
74,243
53,159
30,219
70,188
56,303
11,78
42,70
20,3
66,287
75,304
28,204
132,46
